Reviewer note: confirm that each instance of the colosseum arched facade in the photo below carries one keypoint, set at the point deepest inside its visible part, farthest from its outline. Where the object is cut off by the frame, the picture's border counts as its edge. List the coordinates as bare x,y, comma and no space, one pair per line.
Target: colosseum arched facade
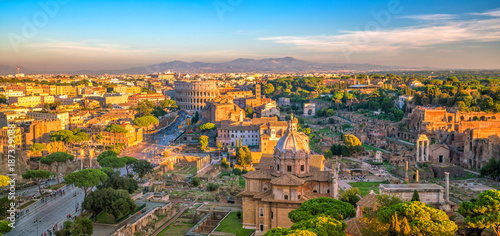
193,95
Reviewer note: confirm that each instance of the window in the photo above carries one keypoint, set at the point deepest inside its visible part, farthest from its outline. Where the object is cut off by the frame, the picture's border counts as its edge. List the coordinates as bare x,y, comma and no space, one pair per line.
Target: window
261,227
272,215
441,158
298,196
286,197
289,168
278,167
302,168
261,212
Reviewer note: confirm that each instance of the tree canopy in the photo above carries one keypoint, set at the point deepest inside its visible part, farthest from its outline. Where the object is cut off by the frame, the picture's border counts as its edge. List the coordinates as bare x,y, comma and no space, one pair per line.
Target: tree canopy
145,121
114,128
115,202
37,176
333,208
208,126
244,156
86,179
37,148
4,227
352,143
68,136
482,213
111,162
322,226
203,142
116,181
351,196
57,158
415,217
128,161
142,167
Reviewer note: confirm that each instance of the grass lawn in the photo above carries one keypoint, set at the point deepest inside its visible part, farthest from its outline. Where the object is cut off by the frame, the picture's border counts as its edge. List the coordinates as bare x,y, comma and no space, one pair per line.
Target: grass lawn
176,229
106,218
365,187
231,224
27,204
368,147
192,171
56,187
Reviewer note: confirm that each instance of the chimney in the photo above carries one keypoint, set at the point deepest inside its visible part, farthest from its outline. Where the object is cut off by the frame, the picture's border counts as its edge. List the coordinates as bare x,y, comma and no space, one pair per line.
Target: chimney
447,174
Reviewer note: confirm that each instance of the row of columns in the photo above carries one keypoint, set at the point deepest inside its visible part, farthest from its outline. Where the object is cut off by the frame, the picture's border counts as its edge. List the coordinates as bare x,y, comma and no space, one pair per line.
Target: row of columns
422,149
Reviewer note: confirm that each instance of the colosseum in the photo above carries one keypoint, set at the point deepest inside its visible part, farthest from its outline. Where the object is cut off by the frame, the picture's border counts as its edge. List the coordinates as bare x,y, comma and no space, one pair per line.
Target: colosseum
192,95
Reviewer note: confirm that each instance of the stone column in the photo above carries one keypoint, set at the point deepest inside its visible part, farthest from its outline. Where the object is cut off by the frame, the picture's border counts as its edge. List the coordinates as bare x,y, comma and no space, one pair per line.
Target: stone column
422,152
418,147
335,187
428,148
447,176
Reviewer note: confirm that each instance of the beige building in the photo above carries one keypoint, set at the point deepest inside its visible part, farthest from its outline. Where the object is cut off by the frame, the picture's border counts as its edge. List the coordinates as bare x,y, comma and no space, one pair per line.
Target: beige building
62,116
26,101
284,180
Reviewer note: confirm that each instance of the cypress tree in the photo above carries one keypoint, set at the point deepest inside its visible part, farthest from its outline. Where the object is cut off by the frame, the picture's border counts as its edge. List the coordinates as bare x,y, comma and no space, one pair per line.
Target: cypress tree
415,197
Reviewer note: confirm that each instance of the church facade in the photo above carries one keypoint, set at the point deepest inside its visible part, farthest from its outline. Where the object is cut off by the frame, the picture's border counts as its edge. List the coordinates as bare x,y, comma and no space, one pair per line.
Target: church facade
283,181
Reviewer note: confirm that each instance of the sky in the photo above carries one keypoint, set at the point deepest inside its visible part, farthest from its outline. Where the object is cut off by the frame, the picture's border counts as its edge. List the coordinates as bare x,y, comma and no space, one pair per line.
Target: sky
96,34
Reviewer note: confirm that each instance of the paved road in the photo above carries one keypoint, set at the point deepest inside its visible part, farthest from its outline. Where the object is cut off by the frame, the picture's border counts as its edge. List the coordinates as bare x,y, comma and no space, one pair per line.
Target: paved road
50,212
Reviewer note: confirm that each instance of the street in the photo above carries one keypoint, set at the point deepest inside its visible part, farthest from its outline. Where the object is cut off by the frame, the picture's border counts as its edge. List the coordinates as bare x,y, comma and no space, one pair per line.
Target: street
52,211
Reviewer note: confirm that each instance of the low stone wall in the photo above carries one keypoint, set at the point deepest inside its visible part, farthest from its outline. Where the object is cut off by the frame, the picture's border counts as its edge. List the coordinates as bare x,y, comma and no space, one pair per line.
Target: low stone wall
455,171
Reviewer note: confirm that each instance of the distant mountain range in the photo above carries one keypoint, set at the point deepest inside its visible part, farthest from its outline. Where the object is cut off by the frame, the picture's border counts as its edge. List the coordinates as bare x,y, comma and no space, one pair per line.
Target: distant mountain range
268,65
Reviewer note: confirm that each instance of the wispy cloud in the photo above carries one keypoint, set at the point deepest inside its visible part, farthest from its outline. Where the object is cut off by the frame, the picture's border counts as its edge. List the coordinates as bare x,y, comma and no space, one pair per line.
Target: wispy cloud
432,17
494,13
435,31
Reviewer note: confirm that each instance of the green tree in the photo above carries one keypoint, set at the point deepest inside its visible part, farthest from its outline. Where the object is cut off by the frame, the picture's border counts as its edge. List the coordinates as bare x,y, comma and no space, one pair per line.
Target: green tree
244,156
482,213
352,143
57,158
86,179
333,208
212,187
237,171
207,126
115,202
224,164
128,161
144,108
112,162
145,121
168,103
328,154
351,196
142,168
195,181
268,88
37,148
307,131
4,205
82,227
421,218
116,181
203,142
249,112
416,196
37,176
322,226
4,227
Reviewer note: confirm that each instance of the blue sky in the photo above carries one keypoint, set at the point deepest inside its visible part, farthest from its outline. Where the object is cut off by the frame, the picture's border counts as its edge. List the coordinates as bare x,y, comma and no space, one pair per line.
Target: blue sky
73,35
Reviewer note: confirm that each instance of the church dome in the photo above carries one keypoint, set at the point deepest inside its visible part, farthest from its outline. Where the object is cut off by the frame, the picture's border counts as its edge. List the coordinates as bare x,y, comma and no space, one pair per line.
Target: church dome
293,143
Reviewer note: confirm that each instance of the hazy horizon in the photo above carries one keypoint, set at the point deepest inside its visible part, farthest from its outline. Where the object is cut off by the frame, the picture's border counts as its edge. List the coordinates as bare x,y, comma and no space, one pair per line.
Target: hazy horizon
93,35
